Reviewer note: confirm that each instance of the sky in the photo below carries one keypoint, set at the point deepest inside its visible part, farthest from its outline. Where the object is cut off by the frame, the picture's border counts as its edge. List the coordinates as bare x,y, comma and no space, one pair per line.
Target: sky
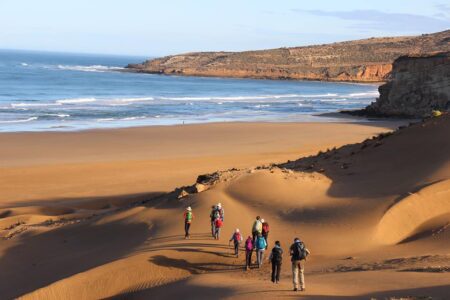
156,28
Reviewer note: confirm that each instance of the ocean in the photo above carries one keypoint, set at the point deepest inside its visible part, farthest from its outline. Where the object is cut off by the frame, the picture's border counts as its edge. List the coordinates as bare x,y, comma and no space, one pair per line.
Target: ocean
42,91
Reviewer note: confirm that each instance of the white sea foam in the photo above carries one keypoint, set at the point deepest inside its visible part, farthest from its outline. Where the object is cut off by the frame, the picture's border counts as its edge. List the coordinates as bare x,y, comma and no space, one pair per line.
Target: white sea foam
23,104
92,68
20,120
59,115
363,95
24,64
76,100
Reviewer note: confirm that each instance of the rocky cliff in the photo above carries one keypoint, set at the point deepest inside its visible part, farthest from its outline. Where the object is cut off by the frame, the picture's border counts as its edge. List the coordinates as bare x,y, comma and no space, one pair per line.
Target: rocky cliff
368,60
418,85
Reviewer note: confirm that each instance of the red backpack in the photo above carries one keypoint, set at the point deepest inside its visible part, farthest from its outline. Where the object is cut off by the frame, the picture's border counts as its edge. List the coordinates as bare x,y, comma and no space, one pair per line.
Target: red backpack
218,223
265,228
237,237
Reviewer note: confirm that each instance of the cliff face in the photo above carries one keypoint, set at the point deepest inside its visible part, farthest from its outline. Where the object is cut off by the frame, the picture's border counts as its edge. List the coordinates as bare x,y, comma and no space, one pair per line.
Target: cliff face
418,85
368,60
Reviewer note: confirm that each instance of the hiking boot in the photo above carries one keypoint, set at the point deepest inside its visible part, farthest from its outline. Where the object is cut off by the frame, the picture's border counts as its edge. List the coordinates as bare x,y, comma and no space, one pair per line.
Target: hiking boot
302,289
295,289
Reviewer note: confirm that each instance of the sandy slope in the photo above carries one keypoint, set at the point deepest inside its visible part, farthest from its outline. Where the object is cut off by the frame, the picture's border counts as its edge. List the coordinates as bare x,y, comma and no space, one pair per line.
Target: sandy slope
375,216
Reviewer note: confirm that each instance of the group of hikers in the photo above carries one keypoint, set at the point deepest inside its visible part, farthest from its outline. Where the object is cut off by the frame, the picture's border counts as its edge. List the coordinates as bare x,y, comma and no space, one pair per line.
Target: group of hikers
257,242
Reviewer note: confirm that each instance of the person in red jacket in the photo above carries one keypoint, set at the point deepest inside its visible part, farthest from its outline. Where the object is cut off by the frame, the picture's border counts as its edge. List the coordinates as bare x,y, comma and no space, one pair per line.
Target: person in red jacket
265,231
237,239
217,225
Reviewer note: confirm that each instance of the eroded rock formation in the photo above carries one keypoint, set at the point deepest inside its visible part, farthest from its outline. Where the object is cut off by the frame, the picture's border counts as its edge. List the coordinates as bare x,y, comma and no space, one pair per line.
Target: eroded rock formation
418,85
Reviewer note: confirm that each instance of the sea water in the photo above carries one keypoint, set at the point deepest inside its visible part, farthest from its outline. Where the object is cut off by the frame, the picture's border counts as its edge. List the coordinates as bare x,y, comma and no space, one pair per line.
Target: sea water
42,91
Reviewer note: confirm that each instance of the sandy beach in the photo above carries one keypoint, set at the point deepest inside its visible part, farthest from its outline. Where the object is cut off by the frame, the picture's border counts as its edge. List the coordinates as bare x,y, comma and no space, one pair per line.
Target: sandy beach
90,214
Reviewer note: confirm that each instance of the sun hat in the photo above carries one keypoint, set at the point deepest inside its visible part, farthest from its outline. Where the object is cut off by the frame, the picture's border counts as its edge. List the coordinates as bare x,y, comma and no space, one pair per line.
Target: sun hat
188,208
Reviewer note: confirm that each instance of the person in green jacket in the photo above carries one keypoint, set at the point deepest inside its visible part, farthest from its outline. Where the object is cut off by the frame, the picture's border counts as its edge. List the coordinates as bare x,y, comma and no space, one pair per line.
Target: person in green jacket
188,217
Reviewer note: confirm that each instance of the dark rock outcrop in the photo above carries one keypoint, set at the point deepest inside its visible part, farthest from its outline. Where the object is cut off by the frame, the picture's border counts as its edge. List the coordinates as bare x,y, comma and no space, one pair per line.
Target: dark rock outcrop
368,60
418,85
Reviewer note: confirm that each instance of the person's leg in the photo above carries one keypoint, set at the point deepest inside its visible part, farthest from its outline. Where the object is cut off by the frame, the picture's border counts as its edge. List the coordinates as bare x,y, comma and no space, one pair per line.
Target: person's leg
266,236
213,229
247,255
262,257
295,274
277,277
236,248
258,257
186,229
274,266
302,275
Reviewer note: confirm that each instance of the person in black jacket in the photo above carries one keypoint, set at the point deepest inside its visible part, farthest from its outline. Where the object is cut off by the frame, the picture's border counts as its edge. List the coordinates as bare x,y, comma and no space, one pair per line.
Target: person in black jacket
298,252
276,258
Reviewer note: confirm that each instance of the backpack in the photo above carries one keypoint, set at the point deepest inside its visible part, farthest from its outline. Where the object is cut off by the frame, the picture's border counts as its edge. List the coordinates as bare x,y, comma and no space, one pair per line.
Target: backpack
188,216
237,237
218,223
277,254
249,245
299,252
265,228
261,243
255,226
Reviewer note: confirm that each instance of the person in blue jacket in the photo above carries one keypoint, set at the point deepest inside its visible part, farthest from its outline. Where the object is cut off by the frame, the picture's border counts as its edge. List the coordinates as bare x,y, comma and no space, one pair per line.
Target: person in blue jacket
260,245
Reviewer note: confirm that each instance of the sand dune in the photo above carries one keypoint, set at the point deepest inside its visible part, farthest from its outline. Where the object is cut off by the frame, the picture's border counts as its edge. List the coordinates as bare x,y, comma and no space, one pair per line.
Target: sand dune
374,214
410,215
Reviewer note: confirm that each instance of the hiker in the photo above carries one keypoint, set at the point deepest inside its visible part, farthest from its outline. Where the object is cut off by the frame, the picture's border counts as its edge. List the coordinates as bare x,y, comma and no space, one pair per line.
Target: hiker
221,211
265,231
298,252
217,225
237,239
212,216
188,216
249,246
260,248
276,258
256,228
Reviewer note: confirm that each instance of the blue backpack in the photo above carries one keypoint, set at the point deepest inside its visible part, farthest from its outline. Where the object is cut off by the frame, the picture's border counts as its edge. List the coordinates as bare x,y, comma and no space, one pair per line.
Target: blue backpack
261,243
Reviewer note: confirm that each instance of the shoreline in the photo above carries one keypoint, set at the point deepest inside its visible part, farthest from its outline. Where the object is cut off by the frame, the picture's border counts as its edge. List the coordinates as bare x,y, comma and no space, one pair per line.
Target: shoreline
127,69
333,117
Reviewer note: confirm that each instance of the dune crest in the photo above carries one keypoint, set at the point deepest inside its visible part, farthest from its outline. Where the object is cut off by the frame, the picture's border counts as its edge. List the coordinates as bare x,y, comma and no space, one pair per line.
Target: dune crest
404,219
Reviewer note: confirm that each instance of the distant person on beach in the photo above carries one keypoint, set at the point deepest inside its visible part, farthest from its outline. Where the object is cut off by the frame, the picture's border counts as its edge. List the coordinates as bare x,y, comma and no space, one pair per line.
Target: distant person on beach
276,258
188,217
298,252
260,249
212,217
217,225
265,231
237,239
249,246
256,228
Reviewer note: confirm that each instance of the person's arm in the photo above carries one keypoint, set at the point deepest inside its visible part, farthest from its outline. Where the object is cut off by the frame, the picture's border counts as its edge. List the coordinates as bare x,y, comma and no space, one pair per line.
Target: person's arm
270,256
